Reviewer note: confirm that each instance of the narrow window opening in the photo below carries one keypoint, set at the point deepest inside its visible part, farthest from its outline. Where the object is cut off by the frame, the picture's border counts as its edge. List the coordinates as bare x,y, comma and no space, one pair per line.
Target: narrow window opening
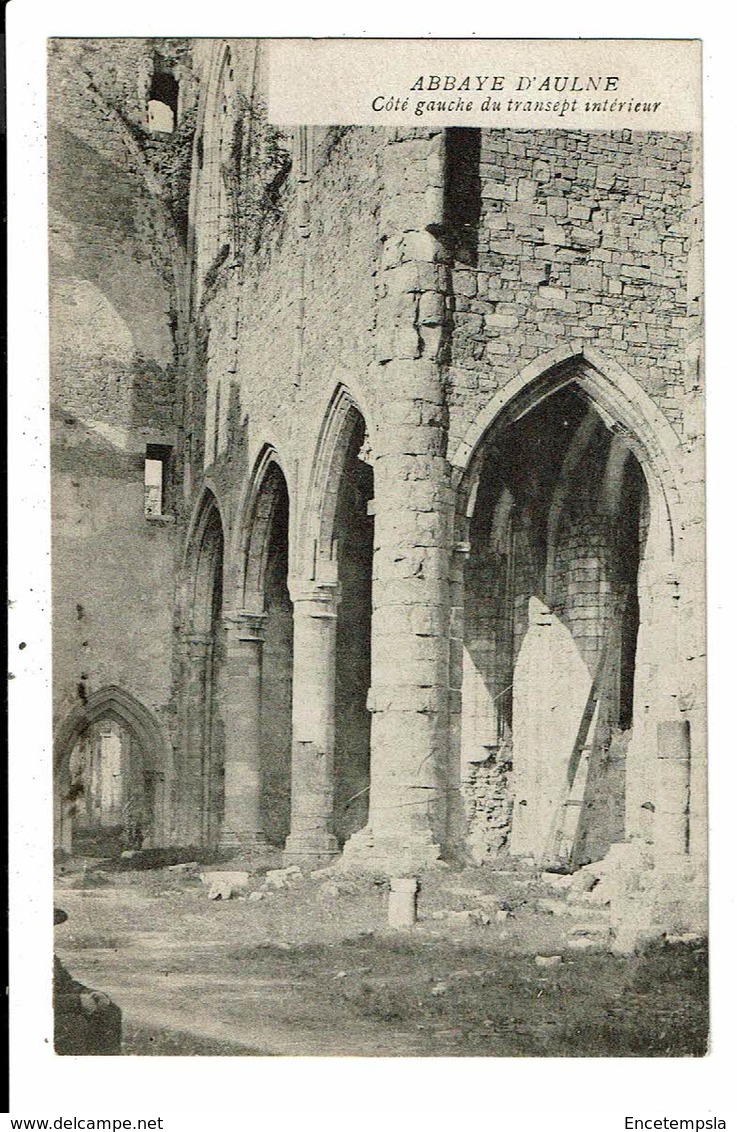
163,102
463,193
157,470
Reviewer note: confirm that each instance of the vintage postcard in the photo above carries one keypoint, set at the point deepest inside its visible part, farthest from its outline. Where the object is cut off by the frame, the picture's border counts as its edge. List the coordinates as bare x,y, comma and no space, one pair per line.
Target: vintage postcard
376,409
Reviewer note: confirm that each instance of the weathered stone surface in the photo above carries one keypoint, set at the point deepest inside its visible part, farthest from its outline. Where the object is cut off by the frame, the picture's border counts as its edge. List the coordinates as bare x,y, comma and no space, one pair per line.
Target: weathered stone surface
548,961
347,297
225,885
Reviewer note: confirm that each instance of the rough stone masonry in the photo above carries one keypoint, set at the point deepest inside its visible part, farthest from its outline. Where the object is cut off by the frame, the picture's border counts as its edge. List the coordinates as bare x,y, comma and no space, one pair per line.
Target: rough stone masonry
378,482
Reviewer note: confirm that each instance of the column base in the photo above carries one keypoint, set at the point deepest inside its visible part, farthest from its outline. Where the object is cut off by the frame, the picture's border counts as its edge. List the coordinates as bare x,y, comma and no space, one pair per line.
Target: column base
312,850
650,899
390,853
242,840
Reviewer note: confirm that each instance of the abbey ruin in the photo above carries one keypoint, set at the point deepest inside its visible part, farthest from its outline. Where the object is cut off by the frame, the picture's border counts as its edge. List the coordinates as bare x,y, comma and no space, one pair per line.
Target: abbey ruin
378,483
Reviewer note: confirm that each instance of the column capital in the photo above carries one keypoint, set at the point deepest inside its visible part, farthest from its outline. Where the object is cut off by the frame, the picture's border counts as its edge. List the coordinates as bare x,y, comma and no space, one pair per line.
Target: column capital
315,599
244,624
197,645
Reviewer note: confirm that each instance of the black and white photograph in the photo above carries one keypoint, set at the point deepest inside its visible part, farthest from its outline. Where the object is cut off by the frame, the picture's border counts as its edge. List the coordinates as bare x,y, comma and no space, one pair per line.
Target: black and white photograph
378,570
363,719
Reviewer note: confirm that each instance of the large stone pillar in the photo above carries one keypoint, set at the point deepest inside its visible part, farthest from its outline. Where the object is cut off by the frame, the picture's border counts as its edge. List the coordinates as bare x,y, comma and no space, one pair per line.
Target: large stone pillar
192,818
412,496
458,767
241,826
311,841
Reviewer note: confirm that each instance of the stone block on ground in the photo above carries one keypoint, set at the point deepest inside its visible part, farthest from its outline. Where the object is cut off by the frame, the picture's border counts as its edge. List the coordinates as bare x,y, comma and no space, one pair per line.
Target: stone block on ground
583,881
220,891
490,903
555,907
585,943
548,960
282,878
464,917
557,881
328,891
225,885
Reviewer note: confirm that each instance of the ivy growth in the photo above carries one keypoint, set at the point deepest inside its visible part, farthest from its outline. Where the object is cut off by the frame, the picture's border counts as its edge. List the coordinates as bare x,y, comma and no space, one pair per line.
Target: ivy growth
255,175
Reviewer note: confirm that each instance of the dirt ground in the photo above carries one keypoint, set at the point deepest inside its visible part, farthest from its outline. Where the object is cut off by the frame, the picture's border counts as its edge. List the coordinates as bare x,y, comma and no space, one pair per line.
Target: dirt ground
307,965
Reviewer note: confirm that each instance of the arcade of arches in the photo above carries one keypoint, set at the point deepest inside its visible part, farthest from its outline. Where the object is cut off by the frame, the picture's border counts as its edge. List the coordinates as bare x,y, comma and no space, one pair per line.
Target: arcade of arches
423,577
550,751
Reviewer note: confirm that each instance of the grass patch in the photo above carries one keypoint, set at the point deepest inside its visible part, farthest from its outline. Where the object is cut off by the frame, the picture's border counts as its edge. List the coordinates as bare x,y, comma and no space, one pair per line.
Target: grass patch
94,943
152,1041
483,1003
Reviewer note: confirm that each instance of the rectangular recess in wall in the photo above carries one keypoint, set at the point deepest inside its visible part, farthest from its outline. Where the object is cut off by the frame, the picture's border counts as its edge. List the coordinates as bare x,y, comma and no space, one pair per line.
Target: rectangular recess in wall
156,480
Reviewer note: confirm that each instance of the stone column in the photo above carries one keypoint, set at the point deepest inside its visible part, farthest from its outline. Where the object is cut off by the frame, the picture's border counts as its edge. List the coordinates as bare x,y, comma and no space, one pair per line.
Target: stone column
242,718
412,502
457,767
192,820
311,840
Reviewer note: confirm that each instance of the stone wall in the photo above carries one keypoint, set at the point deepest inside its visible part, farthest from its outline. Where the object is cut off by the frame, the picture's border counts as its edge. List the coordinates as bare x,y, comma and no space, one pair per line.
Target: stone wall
583,236
403,279
114,386
282,336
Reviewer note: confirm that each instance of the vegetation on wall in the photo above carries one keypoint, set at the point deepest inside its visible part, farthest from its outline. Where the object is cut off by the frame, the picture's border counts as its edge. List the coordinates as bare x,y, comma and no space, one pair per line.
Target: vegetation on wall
255,175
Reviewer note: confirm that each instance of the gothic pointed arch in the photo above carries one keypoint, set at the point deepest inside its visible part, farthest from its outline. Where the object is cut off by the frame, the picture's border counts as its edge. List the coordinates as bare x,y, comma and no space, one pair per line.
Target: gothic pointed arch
115,703
204,558
110,758
343,419
267,492
570,618
622,403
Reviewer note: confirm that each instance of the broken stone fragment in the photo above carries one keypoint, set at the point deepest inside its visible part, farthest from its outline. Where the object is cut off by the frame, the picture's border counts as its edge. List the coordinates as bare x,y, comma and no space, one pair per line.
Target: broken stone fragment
464,917
274,881
558,880
583,881
487,901
254,897
220,891
554,907
225,885
584,943
278,875
548,960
